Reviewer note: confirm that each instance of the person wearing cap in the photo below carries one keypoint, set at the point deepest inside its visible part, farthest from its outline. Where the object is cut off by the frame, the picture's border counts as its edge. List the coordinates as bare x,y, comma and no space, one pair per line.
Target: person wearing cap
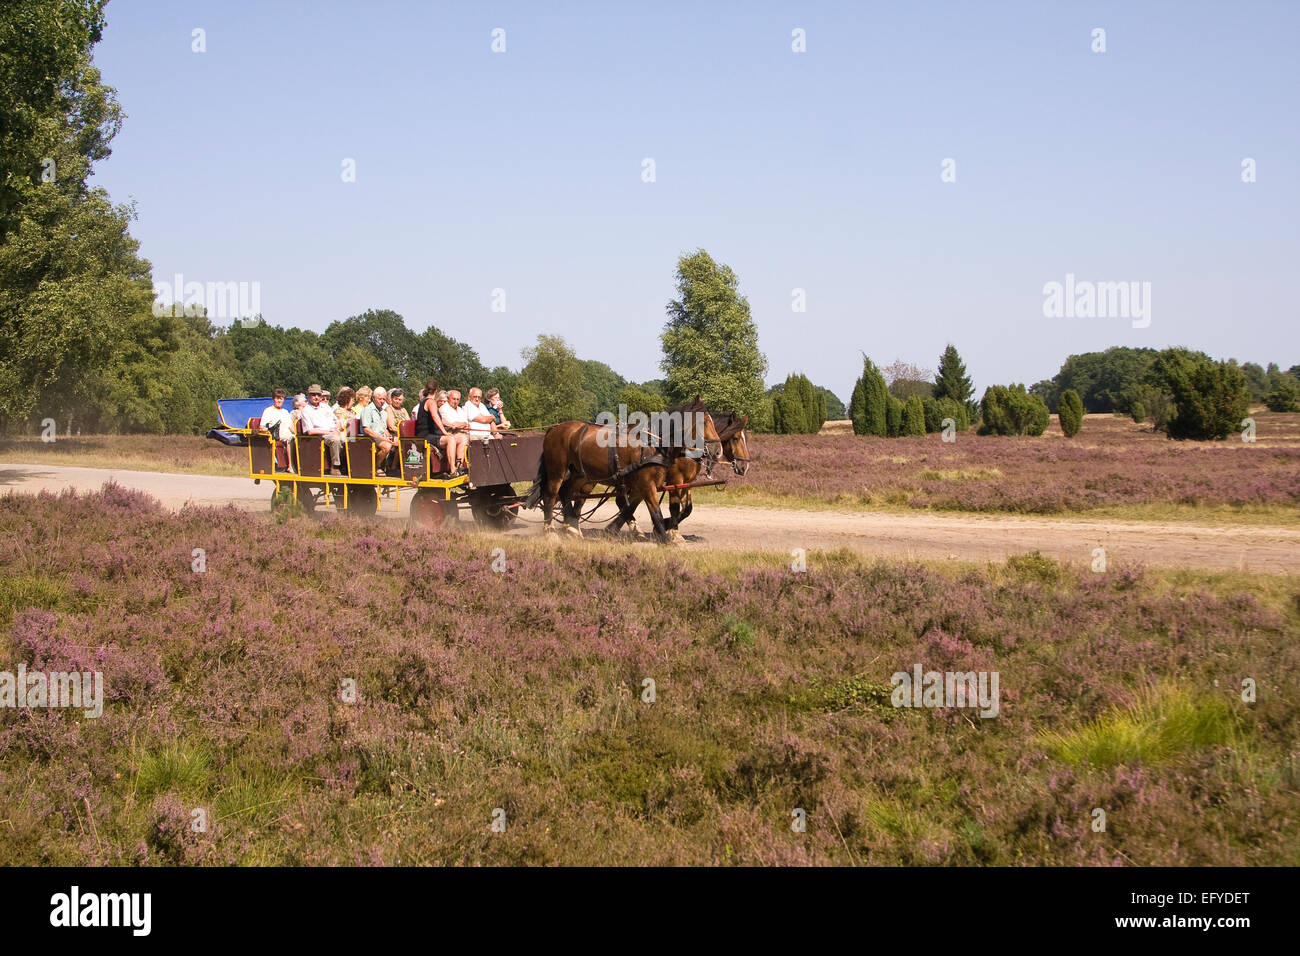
317,419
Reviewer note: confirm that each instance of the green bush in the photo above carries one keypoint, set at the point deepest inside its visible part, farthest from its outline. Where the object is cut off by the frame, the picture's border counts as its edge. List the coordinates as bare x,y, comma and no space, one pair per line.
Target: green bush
893,416
1070,411
1210,398
868,407
951,408
913,418
1012,411
1284,398
1138,411
933,420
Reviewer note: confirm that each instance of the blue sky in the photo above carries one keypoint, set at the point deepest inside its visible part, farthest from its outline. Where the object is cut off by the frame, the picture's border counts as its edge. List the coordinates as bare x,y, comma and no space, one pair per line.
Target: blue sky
819,170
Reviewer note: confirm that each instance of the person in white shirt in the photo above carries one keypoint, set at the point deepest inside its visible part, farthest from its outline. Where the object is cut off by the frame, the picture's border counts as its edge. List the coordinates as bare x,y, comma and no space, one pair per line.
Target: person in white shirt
317,419
457,425
277,414
481,421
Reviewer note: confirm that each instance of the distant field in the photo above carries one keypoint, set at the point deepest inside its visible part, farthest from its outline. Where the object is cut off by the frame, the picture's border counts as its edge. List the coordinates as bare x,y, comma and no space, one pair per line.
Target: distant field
1112,466
523,691
187,454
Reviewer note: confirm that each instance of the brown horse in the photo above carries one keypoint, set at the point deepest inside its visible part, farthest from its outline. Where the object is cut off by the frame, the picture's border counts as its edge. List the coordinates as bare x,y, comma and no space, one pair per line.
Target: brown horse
726,433
577,456
581,454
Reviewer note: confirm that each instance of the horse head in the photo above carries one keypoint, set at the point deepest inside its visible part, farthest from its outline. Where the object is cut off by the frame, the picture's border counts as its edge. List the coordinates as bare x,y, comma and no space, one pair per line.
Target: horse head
735,446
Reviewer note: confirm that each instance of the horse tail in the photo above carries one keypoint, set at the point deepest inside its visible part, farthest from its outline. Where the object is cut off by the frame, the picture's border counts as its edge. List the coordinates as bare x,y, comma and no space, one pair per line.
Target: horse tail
535,493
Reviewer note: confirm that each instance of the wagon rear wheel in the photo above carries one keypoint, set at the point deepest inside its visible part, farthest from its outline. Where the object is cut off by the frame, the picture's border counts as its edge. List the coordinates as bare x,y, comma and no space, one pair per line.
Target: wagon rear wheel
428,509
489,507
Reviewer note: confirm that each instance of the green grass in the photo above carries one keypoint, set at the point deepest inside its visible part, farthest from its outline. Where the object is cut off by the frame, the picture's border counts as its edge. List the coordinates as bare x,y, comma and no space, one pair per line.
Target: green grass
180,766
1164,723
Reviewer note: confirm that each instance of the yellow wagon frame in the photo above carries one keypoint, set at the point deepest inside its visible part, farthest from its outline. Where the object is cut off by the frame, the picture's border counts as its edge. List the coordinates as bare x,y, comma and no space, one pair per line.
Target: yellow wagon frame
263,439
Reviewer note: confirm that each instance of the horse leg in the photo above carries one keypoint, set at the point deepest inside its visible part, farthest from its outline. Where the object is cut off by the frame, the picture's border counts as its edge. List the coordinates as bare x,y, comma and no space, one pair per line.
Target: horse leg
548,502
571,508
648,491
674,510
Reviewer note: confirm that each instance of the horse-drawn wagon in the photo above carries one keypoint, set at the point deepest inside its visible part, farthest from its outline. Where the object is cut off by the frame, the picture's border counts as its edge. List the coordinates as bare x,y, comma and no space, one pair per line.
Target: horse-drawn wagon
297,467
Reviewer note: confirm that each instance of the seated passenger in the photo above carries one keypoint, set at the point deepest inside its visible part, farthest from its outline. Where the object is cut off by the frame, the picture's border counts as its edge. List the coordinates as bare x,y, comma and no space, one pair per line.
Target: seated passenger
317,419
396,399
277,420
495,407
428,425
456,423
346,409
374,423
299,403
482,423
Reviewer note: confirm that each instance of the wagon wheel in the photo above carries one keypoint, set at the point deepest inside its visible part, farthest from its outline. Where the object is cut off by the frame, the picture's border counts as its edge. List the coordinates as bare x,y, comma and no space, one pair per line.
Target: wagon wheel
428,509
489,507
363,500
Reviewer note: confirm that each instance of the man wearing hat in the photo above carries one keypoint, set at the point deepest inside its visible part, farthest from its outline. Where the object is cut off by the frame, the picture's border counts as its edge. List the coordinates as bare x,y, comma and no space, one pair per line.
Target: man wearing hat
317,419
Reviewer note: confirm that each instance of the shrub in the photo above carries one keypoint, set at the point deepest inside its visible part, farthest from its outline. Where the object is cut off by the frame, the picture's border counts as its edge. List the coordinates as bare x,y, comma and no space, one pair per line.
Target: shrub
1284,398
1139,412
893,417
933,420
913,417
1012,411
869,405
951,408
1210,398
1070,410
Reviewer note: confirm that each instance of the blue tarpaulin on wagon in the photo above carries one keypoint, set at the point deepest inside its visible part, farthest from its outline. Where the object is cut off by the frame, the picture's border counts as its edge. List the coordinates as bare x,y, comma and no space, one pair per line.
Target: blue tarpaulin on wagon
235,413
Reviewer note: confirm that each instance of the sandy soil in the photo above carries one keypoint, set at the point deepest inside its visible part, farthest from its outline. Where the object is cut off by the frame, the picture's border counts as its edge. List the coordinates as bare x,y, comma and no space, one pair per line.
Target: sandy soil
919,535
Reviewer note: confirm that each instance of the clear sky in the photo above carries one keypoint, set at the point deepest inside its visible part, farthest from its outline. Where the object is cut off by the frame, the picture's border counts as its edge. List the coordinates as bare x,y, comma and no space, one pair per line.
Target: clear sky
818,170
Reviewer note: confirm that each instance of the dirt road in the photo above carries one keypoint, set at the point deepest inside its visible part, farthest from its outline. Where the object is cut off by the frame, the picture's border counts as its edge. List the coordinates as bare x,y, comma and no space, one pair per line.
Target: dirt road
919,535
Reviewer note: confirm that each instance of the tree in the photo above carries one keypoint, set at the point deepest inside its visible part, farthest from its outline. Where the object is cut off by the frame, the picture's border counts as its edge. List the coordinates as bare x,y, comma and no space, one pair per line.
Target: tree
603,384
1257,384
870,403
1104,380
946,408
951,381
1210,398
641,398
710,342
549,388
913,417
382,333
1010,410
893,416
906,380
1070,411
71,279
835,410
1285,397
52,104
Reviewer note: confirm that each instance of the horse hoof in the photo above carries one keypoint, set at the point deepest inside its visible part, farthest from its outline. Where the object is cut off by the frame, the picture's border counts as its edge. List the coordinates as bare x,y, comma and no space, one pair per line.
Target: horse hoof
570,529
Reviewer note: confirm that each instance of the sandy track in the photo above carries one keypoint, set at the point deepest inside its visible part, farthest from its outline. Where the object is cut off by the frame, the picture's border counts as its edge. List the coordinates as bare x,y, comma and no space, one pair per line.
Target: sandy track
919,535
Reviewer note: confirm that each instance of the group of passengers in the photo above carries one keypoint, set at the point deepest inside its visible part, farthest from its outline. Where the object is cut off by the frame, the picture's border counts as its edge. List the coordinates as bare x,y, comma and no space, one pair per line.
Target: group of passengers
440,419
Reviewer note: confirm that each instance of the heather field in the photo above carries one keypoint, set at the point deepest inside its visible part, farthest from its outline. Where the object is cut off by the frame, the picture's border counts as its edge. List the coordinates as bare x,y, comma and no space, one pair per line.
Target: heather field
522,690
1112,465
